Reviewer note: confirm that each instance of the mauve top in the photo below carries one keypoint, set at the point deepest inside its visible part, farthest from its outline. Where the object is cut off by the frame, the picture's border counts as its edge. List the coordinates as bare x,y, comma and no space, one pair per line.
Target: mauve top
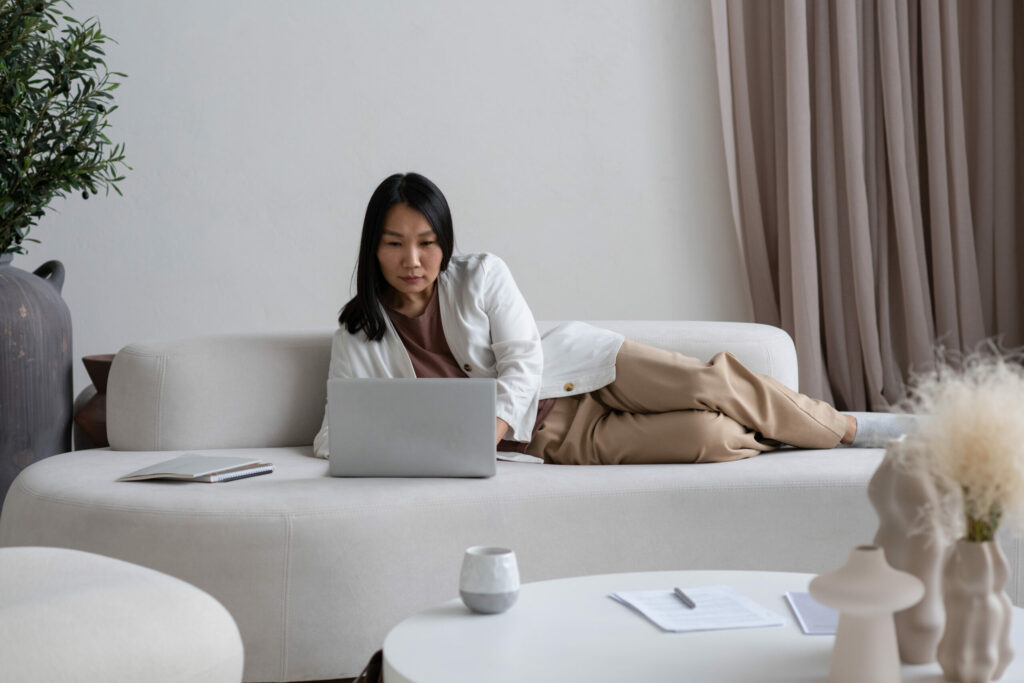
424,339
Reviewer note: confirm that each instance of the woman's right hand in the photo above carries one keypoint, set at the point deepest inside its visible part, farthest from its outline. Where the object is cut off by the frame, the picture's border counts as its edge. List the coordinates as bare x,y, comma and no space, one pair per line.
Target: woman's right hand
500,429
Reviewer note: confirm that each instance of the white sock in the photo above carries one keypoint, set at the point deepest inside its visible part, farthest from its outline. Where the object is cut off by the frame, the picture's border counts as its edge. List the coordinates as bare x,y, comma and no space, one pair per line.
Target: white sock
875,430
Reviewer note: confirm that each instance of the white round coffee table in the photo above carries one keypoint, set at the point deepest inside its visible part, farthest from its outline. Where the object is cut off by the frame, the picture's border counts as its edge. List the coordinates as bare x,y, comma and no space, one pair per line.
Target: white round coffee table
569,630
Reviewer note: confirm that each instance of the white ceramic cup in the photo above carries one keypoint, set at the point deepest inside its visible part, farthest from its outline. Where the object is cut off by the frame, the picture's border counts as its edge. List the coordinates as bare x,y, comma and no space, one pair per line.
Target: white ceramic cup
489,582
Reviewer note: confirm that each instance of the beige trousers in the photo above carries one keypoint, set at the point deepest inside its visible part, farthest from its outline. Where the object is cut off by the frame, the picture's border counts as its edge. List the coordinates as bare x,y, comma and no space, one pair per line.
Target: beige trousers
664,407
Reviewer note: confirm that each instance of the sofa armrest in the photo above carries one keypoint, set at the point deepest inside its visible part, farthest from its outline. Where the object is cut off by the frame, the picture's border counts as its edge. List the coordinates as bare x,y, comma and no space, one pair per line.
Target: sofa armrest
762,348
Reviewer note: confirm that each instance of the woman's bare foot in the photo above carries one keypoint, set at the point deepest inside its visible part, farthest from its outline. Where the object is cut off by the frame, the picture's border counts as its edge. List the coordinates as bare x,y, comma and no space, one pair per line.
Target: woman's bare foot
851,429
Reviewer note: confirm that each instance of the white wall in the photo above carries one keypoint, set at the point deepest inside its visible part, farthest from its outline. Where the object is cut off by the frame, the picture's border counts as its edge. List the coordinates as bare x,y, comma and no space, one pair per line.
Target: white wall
580,140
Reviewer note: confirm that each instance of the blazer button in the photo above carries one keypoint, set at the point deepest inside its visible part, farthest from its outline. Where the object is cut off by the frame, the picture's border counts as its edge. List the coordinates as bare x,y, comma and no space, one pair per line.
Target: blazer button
467,367
569,386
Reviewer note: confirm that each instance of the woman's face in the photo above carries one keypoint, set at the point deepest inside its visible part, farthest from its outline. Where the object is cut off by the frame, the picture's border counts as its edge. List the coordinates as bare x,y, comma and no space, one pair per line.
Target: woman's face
409,255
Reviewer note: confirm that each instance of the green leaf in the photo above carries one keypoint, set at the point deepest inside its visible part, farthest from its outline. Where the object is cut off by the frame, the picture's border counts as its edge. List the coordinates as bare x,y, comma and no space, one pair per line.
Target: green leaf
53,126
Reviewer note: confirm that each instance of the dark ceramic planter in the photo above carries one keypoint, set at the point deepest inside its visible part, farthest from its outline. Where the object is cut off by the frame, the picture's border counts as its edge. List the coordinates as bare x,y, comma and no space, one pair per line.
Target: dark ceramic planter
91,417
35,367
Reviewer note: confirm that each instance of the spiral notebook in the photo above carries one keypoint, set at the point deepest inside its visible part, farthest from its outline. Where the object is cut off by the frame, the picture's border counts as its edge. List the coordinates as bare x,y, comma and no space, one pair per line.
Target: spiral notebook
205,468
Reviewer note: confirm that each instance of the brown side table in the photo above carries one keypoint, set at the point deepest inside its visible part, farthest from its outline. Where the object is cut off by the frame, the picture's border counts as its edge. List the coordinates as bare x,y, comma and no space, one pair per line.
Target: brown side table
91,404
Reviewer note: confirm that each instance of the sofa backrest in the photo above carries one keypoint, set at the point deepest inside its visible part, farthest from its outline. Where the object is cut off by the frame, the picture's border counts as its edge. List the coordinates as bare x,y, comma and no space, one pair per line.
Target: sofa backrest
229,391
269,390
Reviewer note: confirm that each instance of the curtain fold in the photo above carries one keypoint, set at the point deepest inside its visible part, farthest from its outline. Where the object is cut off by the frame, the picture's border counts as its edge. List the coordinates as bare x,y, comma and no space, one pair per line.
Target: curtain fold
872,153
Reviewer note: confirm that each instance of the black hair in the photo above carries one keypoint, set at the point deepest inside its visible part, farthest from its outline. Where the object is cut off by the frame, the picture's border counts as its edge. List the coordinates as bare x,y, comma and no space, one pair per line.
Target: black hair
365,310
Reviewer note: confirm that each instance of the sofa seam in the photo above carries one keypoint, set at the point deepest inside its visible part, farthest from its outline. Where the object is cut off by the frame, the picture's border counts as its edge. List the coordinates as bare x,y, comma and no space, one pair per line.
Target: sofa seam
290,514
161,375
141,510
285,616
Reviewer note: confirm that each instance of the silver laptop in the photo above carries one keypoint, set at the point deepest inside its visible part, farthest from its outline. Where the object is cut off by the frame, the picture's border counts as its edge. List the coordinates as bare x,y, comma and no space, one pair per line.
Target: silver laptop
411,427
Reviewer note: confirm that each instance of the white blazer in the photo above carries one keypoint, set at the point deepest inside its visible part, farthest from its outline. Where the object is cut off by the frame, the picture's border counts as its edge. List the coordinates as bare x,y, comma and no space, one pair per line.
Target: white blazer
491,333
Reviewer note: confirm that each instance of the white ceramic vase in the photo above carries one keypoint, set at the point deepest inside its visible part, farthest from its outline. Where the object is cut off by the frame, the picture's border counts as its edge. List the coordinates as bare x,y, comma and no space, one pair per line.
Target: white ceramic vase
866,591
975,647
908,499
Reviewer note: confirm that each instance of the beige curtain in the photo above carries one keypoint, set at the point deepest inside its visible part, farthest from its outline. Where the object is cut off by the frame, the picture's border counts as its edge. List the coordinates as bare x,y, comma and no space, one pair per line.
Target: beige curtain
874,158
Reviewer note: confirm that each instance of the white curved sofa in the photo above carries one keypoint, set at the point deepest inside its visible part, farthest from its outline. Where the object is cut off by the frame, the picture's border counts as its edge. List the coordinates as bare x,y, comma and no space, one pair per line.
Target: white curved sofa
315,570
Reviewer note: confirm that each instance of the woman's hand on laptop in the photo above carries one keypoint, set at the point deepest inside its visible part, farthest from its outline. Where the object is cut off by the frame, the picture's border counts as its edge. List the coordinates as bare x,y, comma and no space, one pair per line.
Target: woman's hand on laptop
499,430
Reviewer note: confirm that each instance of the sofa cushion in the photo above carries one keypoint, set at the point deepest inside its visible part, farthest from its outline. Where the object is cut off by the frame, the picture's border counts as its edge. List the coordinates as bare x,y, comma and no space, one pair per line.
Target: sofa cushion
228,391
762,348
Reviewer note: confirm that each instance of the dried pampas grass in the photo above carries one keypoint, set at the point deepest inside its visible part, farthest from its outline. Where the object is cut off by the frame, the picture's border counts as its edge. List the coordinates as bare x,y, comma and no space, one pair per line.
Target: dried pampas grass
974,436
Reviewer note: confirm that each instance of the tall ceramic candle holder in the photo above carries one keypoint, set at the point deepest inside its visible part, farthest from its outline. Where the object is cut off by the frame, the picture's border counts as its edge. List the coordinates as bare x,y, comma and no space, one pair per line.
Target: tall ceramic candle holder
906,493
975,647
866,591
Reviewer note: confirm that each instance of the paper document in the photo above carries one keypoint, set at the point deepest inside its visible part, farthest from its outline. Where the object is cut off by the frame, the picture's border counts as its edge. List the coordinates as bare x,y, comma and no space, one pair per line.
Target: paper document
815,618
718,607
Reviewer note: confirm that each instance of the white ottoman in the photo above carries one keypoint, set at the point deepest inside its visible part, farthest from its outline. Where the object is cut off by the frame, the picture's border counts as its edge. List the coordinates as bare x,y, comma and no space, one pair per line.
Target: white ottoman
66,615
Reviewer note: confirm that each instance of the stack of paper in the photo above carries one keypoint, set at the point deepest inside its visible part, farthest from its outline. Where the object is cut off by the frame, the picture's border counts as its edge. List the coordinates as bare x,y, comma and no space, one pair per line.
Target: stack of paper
718,607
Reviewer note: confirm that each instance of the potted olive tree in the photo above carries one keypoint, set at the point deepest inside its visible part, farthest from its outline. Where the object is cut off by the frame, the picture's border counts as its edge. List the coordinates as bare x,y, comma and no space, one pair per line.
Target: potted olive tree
55,97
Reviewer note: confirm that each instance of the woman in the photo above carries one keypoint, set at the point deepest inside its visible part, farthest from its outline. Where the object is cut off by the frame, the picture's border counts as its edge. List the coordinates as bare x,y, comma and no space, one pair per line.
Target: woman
582,395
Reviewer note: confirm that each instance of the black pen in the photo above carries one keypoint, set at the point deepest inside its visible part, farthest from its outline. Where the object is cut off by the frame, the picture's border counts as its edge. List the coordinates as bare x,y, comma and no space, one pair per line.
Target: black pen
684,598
